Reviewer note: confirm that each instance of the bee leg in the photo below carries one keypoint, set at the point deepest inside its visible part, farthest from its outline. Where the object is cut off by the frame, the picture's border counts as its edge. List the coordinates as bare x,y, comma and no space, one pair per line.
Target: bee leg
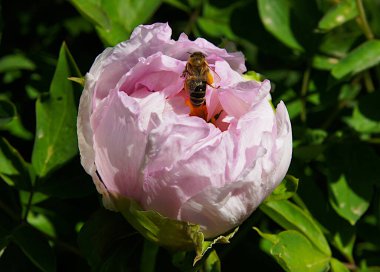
215,117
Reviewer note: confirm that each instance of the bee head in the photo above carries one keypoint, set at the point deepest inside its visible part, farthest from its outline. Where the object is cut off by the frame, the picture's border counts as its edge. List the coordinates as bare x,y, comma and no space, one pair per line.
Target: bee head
197,58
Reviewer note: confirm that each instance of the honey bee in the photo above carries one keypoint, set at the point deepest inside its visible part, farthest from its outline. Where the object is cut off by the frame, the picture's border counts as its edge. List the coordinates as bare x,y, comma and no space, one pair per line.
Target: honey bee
197,76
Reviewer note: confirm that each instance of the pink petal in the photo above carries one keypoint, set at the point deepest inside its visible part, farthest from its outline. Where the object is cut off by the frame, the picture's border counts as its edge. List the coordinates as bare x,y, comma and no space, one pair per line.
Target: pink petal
155,73
109,67
182,159
218,210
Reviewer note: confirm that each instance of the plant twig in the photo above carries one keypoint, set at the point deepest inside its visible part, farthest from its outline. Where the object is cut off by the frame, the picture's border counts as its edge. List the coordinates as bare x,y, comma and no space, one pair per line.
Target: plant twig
363,20
304,89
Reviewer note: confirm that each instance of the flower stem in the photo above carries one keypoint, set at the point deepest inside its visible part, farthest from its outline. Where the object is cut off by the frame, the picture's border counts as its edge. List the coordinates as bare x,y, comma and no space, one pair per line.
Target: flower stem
304,88
363,20
28,206
9,211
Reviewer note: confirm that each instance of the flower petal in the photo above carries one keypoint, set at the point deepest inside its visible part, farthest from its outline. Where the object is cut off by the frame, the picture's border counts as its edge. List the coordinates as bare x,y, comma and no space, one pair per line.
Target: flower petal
155,73
218,210
109,67
119,144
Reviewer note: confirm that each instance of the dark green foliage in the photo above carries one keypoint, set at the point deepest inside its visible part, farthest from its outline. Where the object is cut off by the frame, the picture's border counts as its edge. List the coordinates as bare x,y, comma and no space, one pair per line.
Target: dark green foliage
322,57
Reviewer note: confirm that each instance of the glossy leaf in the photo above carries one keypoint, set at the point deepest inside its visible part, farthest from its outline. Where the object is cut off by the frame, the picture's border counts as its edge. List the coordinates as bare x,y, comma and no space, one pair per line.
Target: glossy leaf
115,20
361,58
13,169
291,217
294,252
56,139
350,191
344,11
286,189
35,247
275,15
337,266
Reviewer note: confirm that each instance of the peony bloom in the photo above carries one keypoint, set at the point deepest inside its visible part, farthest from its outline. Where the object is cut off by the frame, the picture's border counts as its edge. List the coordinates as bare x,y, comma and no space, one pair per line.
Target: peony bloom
137,139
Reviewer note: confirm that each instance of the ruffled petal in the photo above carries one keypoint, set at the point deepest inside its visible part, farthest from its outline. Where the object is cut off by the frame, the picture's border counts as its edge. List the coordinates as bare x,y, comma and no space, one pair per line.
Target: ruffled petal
119,144
218,210
238,99
155,73
109,67
181,48
183,159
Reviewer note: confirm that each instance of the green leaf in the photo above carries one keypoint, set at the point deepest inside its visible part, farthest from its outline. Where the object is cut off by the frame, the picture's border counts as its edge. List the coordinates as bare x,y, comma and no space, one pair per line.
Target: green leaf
42,223
354,169
35,247
343,237
107,241
337,266
344,11
56,140
363,57
346,202
15,62
212,263
361,123
294,252
13,169
7,112
93,11
148,257
286,189
291,217
324,63
216,21
70,181
16,128
170,233
275,15
115,19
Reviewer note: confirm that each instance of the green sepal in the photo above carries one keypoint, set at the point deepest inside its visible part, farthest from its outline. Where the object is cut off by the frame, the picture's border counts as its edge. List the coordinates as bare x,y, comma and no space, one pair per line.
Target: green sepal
166,232
79,80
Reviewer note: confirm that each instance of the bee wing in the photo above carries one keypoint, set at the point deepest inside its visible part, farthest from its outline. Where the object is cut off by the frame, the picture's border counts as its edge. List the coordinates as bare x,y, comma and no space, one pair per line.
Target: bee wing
215,77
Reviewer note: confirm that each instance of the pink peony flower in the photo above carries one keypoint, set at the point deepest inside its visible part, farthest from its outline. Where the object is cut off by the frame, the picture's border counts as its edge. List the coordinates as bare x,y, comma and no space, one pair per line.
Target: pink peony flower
137,140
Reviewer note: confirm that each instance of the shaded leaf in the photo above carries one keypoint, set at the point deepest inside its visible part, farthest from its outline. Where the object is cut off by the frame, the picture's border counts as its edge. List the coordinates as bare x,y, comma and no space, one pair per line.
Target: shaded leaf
361,123
275,15
344,11
7,112
353,171
35,247
108,241
56,140
291,217
70,181
16,128
324,63
363,57
13,169
288,247
148,257
15,62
